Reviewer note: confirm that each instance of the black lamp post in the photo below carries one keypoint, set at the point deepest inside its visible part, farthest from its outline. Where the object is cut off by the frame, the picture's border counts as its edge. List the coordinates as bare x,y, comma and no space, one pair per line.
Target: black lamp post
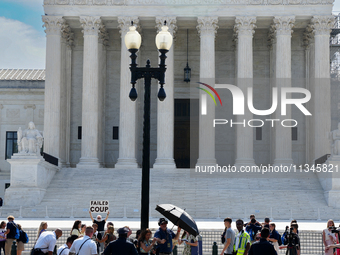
163,42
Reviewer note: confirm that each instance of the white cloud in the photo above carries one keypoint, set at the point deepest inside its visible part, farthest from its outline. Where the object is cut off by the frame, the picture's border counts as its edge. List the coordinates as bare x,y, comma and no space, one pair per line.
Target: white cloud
21,46
336,7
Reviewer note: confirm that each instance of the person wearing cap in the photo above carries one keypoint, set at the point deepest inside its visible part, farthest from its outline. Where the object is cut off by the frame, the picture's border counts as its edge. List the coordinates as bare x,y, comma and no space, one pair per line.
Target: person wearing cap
10,234
101,225
166,235
99,221
121,246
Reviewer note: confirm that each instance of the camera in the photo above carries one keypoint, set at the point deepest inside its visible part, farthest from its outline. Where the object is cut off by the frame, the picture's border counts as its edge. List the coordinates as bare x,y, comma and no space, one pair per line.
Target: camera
334,229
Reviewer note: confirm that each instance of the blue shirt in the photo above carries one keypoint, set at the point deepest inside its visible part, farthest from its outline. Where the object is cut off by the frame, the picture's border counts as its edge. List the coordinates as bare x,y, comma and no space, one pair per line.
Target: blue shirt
274,234
12,230
168,235
252,230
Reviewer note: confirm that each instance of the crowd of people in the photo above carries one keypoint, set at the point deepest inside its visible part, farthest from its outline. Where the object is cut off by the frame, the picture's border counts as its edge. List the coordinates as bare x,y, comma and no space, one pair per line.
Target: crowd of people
255,238
251,238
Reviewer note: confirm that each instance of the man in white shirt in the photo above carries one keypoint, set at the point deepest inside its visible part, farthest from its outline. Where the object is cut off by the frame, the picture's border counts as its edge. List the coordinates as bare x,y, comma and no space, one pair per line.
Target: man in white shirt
65,248
47,241
84,245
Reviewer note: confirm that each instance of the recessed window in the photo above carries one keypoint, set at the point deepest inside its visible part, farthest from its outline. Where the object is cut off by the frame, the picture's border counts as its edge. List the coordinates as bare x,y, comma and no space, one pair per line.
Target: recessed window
115,133
294,134
11,144
79,132
259,133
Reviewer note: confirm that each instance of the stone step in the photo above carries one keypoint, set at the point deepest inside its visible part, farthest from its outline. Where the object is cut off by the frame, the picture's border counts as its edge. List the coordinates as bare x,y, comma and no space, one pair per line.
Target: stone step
72,189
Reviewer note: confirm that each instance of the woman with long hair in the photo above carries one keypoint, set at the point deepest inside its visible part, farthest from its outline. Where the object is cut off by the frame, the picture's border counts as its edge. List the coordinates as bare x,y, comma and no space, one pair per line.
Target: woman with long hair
42,228
108,237
75,231
329,238
20,244
190,241
2,236
145,243
82,229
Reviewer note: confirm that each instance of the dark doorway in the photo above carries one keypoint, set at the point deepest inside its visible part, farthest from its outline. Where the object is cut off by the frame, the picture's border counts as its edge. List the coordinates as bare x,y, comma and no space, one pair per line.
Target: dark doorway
186,132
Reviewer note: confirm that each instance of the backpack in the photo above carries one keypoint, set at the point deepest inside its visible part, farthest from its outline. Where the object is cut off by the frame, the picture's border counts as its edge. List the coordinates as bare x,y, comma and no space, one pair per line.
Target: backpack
223,236
17,231
280,240
284,239
23,237
194,249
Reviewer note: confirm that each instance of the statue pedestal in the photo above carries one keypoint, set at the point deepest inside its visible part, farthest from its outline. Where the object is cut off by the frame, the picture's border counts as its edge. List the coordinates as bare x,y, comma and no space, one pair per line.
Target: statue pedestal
330,181
30,176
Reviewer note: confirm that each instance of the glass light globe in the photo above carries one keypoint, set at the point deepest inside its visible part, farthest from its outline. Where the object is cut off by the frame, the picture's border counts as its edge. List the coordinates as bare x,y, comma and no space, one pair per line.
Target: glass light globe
132,39
164,39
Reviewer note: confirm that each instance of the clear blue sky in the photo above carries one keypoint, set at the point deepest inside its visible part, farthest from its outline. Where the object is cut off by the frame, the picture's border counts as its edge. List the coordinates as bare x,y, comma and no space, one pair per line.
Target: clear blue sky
22,37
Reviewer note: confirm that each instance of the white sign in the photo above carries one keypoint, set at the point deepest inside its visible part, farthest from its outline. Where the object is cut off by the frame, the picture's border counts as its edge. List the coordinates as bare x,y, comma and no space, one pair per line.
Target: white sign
99,206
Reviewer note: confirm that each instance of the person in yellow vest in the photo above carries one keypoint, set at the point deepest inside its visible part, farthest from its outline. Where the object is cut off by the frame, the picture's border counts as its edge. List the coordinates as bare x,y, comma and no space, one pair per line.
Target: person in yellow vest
242,240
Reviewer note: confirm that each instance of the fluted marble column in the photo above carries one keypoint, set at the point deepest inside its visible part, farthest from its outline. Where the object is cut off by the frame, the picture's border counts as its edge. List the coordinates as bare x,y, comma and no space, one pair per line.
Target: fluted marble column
165,109
90,100
283,135
127,116
322,109
53,84
102,45
308,40
207,28
244,28
68,38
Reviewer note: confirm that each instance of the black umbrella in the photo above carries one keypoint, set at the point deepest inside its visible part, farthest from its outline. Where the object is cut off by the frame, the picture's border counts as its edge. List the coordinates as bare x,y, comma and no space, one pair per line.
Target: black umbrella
179,217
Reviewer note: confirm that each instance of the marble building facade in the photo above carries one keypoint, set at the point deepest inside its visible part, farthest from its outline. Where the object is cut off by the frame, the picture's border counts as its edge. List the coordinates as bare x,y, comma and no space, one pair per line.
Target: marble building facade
86,99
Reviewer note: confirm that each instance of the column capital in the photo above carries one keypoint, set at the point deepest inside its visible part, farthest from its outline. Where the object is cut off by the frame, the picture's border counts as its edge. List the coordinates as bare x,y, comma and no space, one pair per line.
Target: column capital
103,36
207,25
271,38
90,24
53,24
283,25
125,22
170,22
67,35
322,25
308,36
245,25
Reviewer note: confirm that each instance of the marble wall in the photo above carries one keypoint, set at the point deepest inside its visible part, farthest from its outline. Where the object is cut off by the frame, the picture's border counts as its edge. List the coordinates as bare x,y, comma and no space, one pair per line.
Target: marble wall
23,101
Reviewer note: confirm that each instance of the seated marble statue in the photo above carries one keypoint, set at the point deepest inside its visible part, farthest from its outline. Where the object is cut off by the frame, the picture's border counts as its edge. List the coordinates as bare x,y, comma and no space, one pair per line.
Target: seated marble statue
335,137
30,140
